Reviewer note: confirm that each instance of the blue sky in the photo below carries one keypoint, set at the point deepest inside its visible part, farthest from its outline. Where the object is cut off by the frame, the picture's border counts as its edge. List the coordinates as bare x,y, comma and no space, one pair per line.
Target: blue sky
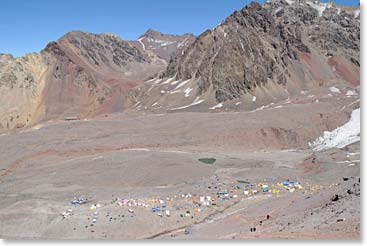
27,26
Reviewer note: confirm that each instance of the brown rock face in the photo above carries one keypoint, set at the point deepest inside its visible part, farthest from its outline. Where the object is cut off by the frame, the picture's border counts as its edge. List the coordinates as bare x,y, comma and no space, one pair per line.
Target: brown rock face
276,42
81,74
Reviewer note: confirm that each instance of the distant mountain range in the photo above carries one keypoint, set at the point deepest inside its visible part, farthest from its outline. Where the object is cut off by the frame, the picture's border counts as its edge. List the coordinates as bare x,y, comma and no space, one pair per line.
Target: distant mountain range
261,53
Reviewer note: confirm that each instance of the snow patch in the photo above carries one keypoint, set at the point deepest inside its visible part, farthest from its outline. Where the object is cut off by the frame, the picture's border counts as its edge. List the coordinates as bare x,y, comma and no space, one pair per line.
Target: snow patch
243,48
98,158
278,9
151,88
195,102
351,93
253,98
175,82
334,89
168,81
320,7
340,137
136,149
174,151
174,92
261,108
163,42
183,43
187,92
219,105
357,13
182,84
142,44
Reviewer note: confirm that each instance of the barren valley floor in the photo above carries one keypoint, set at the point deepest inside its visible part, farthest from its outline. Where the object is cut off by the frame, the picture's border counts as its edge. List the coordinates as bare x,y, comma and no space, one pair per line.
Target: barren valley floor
134,167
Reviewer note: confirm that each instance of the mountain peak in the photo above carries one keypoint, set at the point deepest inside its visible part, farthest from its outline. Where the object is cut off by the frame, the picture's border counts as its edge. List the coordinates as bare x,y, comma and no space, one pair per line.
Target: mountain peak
151,32
111,34
254,5
5,57
77,33
163,45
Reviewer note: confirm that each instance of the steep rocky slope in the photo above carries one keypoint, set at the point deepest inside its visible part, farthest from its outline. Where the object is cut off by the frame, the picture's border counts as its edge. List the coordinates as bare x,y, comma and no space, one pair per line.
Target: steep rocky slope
21,84
80,75
263,53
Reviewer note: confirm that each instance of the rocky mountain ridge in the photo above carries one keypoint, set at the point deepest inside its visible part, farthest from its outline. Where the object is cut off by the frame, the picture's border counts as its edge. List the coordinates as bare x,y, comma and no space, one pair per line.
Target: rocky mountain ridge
80,75
257,56
278,42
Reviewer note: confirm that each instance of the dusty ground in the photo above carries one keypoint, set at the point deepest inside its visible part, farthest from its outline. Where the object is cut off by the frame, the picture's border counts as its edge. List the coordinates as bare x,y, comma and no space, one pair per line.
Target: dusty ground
154,157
